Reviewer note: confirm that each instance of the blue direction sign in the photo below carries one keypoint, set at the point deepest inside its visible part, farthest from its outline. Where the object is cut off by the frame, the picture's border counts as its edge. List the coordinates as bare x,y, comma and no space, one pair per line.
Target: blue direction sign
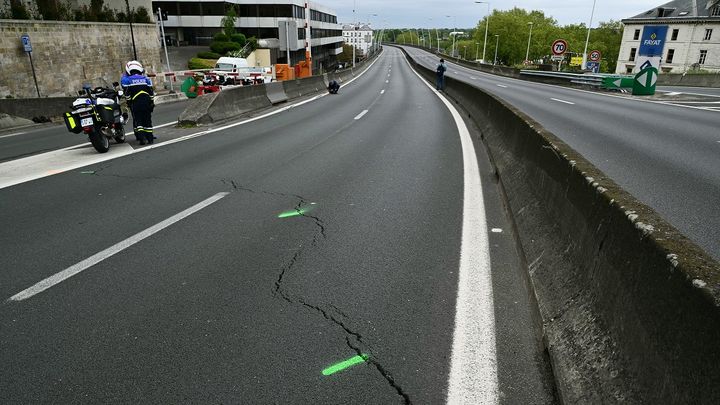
593,66
25,38
653,40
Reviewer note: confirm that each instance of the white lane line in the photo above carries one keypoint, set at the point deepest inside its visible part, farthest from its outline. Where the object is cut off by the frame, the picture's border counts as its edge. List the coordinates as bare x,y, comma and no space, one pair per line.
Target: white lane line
362,114
387,81
15,134
473,78
167,124
112,250
496,230
673,93
382,91
562,101
473,366
502,85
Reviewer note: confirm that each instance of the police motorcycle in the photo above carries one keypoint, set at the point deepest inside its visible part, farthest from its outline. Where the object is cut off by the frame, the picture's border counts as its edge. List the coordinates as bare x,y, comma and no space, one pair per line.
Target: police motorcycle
97,113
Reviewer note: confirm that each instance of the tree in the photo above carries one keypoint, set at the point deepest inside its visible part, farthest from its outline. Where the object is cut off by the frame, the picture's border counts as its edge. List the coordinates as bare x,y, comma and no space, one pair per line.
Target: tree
18,11
228,22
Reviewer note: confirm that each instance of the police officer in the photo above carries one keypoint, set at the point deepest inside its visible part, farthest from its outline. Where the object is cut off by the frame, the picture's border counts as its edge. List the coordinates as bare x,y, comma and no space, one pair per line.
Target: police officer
139,92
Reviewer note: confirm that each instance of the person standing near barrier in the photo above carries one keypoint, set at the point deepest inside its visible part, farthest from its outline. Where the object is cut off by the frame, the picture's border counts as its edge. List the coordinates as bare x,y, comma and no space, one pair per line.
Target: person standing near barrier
440,75
139,92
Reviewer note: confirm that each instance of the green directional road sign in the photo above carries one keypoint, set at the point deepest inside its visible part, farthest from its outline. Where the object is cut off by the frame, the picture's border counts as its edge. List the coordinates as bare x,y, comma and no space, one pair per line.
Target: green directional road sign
645,82
617,82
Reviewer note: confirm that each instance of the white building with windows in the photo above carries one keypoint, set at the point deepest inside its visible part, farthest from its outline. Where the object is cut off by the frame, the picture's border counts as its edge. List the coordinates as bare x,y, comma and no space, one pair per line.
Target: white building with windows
692,41
194,22
361,36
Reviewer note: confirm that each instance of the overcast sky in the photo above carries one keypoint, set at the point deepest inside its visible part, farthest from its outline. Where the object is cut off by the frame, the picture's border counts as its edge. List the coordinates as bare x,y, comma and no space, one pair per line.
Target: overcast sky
416,13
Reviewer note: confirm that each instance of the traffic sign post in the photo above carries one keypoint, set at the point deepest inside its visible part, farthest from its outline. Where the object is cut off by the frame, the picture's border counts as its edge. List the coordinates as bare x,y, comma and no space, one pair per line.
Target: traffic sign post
593,66
595,56
27,47
645,81
559,47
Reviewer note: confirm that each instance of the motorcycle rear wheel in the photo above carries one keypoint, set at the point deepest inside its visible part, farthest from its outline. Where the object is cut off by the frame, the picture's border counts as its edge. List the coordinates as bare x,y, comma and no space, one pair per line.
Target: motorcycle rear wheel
120,138
100,142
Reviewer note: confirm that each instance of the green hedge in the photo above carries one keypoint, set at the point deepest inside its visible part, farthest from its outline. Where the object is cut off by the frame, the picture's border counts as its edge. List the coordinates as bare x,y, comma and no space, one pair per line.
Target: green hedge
239,39
220,37
224,47
208,55
197,63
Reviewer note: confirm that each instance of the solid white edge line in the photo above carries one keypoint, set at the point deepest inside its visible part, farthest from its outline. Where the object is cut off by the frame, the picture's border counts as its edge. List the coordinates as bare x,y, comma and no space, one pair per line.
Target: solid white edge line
112,250
362,114
502,85
473,367
176,140
562,101
9,135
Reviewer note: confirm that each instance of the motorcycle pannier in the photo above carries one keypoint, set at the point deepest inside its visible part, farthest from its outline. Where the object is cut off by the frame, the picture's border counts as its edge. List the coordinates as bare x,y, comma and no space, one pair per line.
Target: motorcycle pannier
72,122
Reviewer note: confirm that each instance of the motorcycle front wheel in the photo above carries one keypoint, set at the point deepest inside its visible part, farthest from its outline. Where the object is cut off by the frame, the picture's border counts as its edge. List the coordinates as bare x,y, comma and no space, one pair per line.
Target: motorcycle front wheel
100,142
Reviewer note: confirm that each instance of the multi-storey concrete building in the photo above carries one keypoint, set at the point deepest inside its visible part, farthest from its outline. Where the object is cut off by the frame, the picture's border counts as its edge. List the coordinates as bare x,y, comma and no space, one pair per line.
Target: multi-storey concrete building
195,22
360,36
690,41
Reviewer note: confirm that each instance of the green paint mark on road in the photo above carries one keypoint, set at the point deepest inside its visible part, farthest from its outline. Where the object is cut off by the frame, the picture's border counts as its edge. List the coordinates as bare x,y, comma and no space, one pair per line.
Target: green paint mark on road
345,364
293,213
296,212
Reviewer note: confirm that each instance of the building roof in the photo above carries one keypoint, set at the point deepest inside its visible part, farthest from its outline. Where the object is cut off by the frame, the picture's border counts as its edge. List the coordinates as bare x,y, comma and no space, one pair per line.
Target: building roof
679,10
361,27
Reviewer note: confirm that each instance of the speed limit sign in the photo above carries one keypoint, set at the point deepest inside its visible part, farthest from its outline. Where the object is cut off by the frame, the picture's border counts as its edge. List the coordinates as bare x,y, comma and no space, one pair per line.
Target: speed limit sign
559,47
595,56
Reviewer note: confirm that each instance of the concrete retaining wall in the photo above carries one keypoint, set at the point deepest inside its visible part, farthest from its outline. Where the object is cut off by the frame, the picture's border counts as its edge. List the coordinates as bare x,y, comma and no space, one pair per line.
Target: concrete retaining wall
708,80
36,107
67,54
630,307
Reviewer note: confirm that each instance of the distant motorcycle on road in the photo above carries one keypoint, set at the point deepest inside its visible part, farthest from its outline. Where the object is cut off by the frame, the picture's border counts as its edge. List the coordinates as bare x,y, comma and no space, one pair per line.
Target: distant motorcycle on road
97,113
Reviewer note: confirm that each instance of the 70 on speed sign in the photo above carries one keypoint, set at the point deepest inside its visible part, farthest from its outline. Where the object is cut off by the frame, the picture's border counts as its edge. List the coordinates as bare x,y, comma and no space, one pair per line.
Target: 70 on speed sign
559,47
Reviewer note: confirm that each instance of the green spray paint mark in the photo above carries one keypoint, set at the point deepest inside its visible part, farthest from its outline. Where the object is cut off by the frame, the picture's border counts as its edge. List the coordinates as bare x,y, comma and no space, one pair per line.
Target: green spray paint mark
296,212
293,213
345,364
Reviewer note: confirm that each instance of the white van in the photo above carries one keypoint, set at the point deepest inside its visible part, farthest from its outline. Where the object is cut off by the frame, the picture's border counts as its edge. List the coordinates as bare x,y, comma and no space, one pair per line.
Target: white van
228,64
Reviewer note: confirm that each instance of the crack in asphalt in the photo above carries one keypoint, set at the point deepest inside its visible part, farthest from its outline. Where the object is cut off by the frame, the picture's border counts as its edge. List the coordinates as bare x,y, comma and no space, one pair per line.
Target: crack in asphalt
335,314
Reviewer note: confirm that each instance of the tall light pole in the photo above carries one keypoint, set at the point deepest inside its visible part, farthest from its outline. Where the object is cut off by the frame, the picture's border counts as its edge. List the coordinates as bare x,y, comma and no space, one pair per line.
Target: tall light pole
527,53
132,34
592,14
487,24
452,49
497,42
429,34
354,29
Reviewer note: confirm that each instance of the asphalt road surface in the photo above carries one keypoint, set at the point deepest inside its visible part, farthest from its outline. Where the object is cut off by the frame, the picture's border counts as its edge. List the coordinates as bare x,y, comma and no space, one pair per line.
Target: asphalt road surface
662,152
241,265
19,143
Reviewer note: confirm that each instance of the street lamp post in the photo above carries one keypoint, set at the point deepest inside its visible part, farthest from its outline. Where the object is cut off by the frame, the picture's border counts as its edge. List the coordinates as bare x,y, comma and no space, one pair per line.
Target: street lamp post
527,53
132,34
452,49
587,40
497,42
354,29
487,24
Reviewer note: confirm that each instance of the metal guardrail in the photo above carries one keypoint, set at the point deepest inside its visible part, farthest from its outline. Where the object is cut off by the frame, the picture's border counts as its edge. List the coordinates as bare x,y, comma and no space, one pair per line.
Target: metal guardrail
578,78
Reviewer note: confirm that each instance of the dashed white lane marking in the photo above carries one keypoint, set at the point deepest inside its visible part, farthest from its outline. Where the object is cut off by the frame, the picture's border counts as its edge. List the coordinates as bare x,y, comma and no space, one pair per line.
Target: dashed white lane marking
473,367
387,81
562,101
502,85
362,114
15,134
382,91
496,230
673,93
112,250
473,78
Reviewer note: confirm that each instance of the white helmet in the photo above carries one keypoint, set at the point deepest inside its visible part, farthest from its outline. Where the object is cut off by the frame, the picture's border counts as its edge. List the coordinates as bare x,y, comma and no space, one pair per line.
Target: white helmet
134,65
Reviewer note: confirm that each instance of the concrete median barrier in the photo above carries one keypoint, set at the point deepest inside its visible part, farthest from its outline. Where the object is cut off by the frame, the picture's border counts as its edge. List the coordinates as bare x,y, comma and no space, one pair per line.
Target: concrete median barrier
226,104
303,87
30,108
630,307
276,92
